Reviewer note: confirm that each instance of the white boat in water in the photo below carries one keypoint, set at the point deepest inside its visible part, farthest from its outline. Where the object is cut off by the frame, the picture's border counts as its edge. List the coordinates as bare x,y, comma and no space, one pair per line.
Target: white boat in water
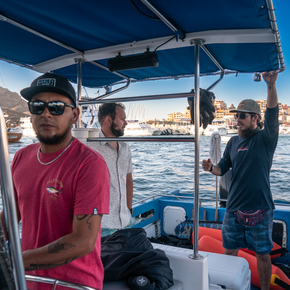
284,129
137,128
14,134
26,125
215,128
114,43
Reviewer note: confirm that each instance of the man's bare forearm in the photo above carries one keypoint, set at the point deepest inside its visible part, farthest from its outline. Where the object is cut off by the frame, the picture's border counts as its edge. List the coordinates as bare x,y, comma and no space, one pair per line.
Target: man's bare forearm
64,250
129,189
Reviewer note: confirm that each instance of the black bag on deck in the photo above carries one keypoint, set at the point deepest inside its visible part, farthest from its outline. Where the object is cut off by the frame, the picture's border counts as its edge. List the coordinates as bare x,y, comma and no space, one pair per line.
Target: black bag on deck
128,253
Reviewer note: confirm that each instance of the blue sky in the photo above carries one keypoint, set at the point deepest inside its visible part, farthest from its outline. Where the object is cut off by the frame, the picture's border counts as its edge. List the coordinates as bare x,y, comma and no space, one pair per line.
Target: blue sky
231,89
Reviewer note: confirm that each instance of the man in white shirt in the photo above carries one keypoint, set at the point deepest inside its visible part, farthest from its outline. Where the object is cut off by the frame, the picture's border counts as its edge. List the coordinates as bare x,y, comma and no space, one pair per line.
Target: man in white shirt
112,118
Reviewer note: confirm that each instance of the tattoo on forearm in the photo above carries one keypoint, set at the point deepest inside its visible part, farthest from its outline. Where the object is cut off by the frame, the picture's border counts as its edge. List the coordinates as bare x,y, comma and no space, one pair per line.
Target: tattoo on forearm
81,217
86,216
58,247
32,267
219,170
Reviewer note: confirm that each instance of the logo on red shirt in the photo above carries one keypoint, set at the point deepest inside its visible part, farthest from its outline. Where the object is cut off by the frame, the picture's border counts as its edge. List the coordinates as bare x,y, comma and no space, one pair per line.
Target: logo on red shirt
55,188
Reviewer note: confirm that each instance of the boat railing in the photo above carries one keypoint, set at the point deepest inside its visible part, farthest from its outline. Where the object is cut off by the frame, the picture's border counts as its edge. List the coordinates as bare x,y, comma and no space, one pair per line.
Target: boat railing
201,199
144,139
56,282
179,197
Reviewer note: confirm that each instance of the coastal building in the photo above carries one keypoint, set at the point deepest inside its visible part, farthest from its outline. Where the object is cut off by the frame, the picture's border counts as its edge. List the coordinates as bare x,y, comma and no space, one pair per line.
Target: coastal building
179,117
222,113
220,105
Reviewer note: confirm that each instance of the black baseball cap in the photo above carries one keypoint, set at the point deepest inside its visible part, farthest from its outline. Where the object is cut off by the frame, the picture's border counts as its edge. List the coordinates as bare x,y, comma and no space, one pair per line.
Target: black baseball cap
50,82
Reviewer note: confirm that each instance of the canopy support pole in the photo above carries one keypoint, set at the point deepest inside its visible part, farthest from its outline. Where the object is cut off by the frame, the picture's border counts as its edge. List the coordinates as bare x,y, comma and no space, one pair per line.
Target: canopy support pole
79,87
216,184
10,209
197,44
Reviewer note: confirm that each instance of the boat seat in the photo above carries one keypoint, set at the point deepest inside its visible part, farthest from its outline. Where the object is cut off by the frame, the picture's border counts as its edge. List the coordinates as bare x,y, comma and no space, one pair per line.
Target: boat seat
122,285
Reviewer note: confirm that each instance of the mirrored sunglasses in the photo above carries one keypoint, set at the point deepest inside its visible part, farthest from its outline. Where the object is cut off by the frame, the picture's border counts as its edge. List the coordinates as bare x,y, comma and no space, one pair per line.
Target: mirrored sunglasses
242,115
55,108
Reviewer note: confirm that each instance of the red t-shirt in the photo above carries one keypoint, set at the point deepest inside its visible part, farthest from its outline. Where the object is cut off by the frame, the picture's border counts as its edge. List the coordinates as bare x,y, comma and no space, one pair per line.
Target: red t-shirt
49,196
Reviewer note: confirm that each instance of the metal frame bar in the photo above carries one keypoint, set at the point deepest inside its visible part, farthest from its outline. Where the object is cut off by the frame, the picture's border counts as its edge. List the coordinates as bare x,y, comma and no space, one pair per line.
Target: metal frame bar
276,33
176,31
138,98
216,63
144,139
55,283
33,31
226,72
10,209
107,94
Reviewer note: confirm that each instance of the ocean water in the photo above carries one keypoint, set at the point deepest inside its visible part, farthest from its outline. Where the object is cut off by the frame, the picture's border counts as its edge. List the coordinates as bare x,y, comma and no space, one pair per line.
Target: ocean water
159,167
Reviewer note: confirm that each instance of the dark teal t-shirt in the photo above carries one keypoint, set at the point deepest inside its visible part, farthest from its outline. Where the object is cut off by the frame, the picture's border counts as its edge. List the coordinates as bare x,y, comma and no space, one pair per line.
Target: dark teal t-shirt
251,161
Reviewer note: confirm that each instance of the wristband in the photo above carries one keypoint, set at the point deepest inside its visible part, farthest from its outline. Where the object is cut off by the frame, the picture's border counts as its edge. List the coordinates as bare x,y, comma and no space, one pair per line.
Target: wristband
211,169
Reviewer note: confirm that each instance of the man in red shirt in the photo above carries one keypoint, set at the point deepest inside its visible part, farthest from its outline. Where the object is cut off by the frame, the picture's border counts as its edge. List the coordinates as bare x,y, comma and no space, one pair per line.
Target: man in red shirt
62,189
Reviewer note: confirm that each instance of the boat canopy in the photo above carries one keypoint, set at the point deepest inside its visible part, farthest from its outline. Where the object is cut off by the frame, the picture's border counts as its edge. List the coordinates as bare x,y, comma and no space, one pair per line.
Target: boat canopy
99,43
236,37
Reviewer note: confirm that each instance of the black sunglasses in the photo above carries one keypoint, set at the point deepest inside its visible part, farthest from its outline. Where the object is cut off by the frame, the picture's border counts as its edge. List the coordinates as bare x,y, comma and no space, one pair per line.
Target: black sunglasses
55,108
242,115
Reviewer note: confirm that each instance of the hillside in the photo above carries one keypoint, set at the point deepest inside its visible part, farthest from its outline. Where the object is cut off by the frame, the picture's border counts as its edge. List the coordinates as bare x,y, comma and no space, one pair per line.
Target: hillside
13,106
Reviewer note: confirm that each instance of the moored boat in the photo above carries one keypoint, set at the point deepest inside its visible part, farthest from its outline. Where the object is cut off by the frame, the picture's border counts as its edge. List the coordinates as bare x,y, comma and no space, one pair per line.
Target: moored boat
138,128
26,125
222,130
14,134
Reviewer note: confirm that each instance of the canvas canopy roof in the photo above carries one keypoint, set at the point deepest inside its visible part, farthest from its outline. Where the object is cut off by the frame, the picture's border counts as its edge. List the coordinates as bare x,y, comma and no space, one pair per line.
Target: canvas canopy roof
51,35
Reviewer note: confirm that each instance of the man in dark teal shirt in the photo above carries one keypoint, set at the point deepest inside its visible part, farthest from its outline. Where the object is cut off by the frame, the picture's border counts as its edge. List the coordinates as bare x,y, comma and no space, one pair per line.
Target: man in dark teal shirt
248,219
